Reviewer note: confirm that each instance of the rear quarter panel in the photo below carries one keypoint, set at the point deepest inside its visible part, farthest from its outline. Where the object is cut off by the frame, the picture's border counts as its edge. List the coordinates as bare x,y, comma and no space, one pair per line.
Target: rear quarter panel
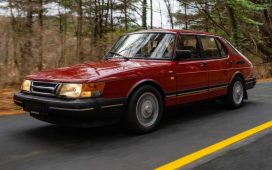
240,64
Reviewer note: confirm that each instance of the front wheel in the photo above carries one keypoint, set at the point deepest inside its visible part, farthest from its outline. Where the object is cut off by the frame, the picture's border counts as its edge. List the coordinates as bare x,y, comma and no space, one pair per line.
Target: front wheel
236,93
145,109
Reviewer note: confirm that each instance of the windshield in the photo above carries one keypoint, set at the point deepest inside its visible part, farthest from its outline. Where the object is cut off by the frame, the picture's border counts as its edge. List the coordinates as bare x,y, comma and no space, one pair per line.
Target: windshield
144,45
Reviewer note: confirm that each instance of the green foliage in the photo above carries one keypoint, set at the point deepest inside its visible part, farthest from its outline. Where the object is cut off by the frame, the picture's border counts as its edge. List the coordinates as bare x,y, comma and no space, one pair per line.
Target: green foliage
246,9
246,5
251,21
246,23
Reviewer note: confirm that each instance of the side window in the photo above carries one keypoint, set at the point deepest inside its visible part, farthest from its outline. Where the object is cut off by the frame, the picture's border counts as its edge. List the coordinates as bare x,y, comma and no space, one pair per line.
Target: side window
222,49
230,47
189,45
210,47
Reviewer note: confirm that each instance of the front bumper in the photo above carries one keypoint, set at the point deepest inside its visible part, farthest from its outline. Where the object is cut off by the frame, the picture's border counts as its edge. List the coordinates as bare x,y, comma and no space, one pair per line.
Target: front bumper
78,112
250,83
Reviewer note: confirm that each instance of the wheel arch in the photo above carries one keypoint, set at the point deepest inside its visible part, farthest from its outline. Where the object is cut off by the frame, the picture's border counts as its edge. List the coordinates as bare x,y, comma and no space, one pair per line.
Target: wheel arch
146,82
237,74
129,118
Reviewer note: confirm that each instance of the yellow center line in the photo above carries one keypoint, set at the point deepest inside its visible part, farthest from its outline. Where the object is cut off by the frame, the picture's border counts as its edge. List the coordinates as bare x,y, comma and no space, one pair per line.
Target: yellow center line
179,163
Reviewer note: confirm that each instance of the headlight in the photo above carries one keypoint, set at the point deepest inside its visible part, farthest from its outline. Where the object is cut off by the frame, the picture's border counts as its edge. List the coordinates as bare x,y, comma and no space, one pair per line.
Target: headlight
26,85
82,90
70,90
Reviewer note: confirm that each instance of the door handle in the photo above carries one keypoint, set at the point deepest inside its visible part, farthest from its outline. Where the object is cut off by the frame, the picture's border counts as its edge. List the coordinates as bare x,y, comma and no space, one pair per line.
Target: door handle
203,64
229,62
241,62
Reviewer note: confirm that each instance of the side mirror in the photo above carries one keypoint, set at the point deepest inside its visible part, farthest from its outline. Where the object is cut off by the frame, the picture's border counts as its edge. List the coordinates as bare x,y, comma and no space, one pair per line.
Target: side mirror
183,54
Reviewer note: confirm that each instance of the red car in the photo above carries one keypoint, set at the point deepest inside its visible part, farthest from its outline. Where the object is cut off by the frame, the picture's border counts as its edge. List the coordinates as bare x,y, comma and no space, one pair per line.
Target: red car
143,73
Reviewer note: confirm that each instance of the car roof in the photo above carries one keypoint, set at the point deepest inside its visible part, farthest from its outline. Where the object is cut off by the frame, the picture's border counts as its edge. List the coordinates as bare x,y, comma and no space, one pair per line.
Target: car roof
177,31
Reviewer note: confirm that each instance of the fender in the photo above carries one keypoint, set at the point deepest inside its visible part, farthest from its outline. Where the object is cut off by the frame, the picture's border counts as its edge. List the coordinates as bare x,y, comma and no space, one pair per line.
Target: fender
237,72
141,82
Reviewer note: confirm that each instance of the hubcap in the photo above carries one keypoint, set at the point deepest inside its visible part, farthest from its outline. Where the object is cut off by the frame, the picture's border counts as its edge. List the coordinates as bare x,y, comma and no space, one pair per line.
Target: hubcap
147,109
238,92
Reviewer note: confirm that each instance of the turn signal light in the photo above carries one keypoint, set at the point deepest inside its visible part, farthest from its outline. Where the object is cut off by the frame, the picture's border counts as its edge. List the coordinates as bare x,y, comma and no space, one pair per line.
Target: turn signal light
92,89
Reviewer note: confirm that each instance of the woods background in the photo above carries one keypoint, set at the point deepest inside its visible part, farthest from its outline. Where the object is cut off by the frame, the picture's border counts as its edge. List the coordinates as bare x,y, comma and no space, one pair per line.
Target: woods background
33,38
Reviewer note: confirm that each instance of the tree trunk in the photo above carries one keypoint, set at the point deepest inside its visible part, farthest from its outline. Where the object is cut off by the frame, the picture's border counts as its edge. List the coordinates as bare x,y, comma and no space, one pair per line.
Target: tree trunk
111,15
234,26
206,17
40,17
170,14
95,32
185,15
101,14
26,46
144,5
107,16
62,30
126,15
79,35
14,38
151,14
160,13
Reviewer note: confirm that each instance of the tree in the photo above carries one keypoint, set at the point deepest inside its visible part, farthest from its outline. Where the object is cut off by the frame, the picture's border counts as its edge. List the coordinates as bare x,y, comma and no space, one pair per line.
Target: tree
185,5
79,35
62,32
26,47
170,14
151,14
33,40
234,25
183,18
111,14
144,7
40,20
125,4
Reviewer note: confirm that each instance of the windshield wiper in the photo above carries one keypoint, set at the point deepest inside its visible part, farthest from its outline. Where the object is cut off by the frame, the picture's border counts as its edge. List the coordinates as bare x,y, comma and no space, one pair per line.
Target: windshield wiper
120,55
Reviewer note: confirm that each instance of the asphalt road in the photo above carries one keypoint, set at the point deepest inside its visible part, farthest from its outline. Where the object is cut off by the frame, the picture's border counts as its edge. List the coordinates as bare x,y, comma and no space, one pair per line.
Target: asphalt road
257,155
26,143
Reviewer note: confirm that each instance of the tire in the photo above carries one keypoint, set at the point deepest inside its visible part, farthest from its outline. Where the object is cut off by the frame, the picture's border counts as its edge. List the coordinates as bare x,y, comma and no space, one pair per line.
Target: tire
144,111
236,93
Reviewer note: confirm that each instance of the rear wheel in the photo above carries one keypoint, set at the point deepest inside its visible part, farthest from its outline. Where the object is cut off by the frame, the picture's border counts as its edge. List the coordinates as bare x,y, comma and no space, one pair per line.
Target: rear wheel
145,109
236,93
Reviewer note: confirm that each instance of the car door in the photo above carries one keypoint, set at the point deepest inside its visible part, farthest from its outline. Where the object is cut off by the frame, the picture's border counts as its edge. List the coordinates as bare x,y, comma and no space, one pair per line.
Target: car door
219,65
191,71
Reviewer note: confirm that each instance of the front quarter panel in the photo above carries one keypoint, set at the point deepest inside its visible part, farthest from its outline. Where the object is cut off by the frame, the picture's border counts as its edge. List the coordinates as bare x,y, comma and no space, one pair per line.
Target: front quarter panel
122,84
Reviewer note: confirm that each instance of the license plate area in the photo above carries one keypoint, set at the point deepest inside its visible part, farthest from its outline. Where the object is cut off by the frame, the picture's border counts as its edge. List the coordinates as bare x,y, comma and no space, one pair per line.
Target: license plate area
36,108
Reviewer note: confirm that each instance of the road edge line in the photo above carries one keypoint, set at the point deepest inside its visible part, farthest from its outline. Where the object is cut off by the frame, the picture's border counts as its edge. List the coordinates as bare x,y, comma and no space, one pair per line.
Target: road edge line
181,162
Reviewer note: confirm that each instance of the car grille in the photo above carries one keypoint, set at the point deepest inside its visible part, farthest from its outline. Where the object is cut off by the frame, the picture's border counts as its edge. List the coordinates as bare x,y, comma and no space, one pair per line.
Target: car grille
44,88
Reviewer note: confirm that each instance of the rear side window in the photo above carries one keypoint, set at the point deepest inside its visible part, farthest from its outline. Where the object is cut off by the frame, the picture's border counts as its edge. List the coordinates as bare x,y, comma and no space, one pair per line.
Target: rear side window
210,48
221,48
190,44
231,47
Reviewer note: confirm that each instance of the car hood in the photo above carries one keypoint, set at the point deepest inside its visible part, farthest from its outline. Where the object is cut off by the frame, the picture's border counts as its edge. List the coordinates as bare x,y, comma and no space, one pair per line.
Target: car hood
90,71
